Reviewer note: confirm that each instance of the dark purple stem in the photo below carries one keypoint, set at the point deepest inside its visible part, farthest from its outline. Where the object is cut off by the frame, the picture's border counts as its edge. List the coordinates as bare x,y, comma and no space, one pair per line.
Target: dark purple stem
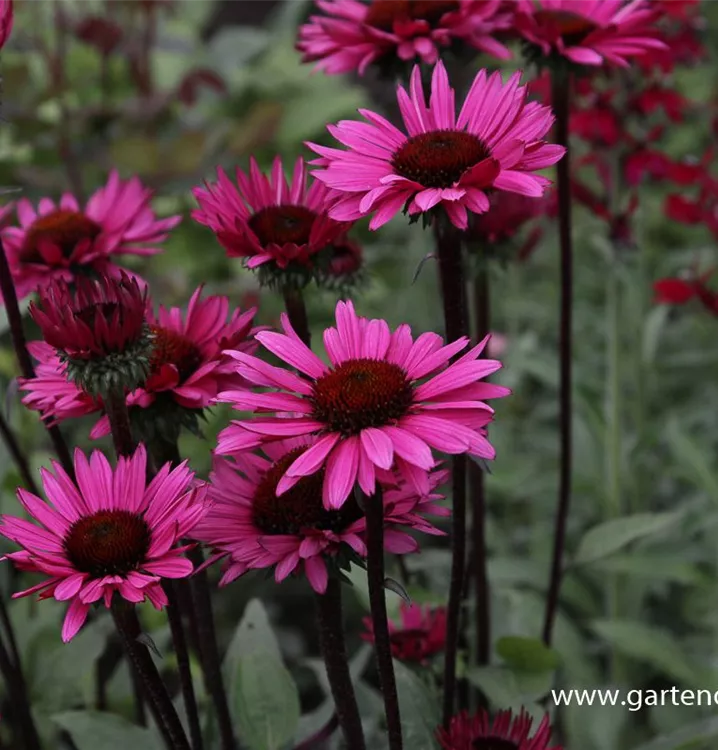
561,85
297,313
374,510
331,636
9,296
119,417
453,295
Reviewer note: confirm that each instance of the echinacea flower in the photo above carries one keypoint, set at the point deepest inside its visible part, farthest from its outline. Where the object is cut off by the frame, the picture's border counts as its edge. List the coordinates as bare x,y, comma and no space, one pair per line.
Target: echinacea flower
98,330
267,220
6,20
496,143
347,35
109,533
253,528
478,732
61,241
384,401
419,634
588,32
679,291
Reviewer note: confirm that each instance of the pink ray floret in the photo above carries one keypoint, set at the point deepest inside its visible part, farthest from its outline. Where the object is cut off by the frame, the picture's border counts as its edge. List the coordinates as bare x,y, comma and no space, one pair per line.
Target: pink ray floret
109,533
590,32
384,401
441,160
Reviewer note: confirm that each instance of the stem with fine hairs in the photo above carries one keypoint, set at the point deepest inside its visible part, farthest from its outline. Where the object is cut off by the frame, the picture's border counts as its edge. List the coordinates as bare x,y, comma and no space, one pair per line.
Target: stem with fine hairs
374,509
12,310
297,313
334,650
453,295
561,89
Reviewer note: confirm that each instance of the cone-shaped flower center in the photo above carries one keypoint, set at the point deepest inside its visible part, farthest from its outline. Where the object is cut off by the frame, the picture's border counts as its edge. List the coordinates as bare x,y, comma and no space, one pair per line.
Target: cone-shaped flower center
409,645
382,14
301,506
572,27
281,225
109,542
172,348
493,743
61,228
438,159
361,393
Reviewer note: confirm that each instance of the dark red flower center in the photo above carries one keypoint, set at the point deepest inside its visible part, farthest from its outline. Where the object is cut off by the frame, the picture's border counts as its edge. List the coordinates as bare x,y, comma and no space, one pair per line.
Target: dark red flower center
172,348
109,542
438,159
301,506
493,743
361,393
572,27
409,645
62,228
382,14
281,225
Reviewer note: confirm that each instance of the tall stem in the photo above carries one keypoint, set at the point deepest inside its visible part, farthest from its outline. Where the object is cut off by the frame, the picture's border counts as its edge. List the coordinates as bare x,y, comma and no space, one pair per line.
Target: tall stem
297,313
12,309
179,641
561,88
453,295
119,418
331,636
159,700
374,510
482,592
17,690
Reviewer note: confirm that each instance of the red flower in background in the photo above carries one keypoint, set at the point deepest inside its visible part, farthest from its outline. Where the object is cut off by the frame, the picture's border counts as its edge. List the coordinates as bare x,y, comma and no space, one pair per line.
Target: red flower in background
420,633
677,291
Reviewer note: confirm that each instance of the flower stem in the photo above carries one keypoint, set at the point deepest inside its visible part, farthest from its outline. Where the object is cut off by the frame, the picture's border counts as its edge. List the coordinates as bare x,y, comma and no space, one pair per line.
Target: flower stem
9,297
453,295
331,636
179,641
297,312
374,509
561,87
482,592
159,700
119,416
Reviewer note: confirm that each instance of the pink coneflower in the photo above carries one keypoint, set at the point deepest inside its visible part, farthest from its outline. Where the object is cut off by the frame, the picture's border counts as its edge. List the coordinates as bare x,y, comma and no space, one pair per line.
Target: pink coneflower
496,143
267,220
61,241
477,732
6,20
109,533
349,35
419,634
253,528
383,400
589,32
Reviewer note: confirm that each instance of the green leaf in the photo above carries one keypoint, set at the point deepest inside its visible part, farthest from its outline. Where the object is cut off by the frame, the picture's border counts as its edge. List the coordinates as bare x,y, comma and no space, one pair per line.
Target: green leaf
695,462
704,732
266,702
253,634
498,684
652,646
652,329
609,537
527,654
93,730
419,709
664,568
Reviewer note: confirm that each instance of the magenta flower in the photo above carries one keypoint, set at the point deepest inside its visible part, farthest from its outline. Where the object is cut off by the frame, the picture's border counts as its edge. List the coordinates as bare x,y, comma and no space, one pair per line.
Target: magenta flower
349,35
64,240
384,401
477,732
6,20
267,220
419,634
495,144
112,532
254,528
589,32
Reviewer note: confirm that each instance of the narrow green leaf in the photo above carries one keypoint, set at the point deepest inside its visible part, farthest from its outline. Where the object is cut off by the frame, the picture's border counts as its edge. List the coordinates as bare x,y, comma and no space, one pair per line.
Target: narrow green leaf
693,459
93,730
419,708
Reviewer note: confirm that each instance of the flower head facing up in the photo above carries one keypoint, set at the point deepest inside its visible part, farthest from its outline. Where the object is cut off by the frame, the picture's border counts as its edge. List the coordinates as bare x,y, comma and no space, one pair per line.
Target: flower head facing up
109,533
442,161
384,402
275,225
99,330
590,32
478,732
419,634
62,241
347,35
